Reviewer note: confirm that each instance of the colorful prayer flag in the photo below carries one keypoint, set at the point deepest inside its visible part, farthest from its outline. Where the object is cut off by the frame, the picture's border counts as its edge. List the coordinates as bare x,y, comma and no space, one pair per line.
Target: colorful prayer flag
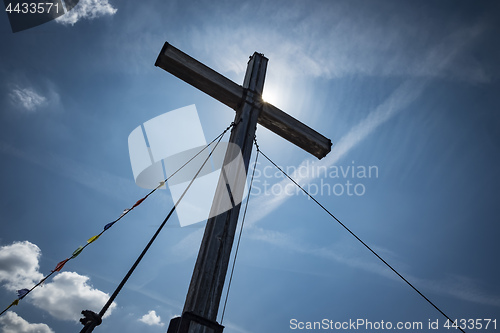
161,184
77,252
107,226
43,281
60,265
125,211
92,239
138,202
16,302
22,292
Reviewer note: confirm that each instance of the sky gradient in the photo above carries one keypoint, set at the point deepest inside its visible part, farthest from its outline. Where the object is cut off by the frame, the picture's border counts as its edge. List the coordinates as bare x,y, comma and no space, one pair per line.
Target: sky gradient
407,89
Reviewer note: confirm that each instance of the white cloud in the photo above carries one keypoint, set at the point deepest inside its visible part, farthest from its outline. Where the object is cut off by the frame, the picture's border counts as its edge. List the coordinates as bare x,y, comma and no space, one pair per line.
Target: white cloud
12,323
67,295
64,297
151,318
19,265
27,98
87,9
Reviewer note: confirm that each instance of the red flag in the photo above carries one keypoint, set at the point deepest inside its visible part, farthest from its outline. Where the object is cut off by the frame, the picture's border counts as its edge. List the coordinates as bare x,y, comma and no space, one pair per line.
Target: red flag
60,265
138,202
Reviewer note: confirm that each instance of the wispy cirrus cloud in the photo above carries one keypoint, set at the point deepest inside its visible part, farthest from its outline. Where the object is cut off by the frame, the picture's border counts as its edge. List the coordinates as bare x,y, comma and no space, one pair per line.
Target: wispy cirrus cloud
30,95
27,98
400,99
87,9
11,322
458,287
439,57
336,40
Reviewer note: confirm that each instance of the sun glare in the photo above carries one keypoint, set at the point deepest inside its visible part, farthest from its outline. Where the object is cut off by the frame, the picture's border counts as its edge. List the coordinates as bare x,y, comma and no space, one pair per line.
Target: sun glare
271,95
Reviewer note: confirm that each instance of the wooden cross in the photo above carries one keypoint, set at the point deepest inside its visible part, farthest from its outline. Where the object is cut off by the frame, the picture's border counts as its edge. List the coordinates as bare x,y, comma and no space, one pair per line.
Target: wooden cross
205,290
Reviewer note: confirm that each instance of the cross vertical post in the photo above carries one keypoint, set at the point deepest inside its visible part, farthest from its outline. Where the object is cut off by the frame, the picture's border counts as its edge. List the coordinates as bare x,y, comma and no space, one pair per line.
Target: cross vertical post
209,274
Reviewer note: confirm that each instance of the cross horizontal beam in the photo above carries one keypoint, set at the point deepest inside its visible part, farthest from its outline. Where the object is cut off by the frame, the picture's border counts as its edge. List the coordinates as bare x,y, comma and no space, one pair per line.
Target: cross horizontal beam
232,94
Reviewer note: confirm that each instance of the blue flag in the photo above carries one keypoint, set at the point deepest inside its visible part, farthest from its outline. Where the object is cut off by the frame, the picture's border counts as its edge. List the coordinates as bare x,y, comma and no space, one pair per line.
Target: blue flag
22,292
107,226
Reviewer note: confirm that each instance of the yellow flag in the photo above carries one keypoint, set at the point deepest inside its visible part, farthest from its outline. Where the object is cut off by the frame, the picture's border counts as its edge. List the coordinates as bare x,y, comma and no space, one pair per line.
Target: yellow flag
92,239
16,302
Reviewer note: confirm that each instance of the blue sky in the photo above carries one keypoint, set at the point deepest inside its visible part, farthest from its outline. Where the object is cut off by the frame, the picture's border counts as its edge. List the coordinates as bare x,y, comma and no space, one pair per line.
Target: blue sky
409,88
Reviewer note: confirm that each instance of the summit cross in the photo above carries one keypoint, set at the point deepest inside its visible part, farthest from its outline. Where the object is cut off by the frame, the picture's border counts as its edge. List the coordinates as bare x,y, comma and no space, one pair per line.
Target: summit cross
205,290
